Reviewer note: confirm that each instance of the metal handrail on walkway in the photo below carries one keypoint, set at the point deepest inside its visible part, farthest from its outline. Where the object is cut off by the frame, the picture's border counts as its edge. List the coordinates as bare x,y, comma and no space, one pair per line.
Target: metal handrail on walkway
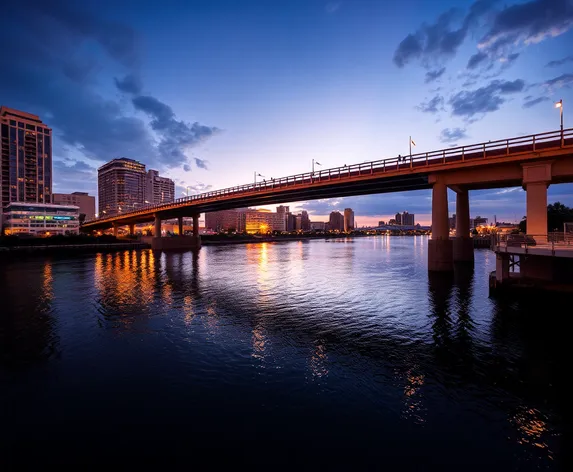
551,240
499,148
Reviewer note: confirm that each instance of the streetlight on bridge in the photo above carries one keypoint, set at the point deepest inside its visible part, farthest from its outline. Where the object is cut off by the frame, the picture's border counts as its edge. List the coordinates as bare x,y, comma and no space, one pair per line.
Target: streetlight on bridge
317,163
258,175
559,105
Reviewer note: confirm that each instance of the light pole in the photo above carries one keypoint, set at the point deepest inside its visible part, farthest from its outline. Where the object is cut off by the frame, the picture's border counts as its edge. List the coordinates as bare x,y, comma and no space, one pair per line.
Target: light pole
559,105
258,175
313,163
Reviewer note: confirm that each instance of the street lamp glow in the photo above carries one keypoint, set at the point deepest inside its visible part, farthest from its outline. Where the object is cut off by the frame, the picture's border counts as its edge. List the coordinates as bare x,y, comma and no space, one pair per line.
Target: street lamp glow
559,104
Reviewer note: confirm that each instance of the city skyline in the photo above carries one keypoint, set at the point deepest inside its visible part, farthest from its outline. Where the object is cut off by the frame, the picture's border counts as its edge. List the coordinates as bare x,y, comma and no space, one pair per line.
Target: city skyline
337,82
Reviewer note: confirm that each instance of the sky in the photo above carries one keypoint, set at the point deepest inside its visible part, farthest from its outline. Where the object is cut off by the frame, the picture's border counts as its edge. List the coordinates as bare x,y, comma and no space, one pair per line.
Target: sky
209,92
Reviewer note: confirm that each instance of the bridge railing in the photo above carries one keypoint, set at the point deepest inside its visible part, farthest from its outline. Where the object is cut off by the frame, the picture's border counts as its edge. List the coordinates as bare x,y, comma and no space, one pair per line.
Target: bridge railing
499,148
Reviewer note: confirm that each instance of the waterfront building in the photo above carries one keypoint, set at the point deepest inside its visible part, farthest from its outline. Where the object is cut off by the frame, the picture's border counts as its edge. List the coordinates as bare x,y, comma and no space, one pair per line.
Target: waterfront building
304,221
284,211
348,219
263,221
336,221
398,219
121,186
381,223
25,158
158,189
452,221
226,220
83,200
291,222
318,225
408,219
479,221
40,219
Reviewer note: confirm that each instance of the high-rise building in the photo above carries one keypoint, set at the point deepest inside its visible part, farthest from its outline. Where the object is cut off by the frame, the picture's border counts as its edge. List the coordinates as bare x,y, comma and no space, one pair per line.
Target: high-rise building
158,189
291,222
408,218
348,219
263,221
25,158
453,221
121,186
336,221
85,202
381,223
304,221
284,211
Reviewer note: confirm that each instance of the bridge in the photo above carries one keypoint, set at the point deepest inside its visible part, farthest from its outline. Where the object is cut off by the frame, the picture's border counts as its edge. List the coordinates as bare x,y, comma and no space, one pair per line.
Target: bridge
533,161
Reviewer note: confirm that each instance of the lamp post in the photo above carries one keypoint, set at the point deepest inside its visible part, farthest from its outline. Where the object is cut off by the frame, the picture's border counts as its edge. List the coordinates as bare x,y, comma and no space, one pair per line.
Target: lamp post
559,105
313,163
258,175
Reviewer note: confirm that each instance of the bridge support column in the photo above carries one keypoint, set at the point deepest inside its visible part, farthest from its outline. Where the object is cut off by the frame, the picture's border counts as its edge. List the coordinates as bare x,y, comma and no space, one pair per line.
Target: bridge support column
463,244
132,229
157,232
196,225
536,179
440,247
115,227
180,222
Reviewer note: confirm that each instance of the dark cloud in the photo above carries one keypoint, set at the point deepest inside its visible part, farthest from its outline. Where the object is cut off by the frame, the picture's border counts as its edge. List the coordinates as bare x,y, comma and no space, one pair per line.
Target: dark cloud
57,52
176,136
129,84
564,80
476,60
534,101
527,23
186,167
434,105
559,62
450,135
485,99
202,163
435,74
432,43
74,176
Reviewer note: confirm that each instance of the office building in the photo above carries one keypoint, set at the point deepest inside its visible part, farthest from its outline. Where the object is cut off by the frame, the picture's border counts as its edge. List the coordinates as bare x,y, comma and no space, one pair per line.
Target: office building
408,219
85,202
226,220
25,158
158,189
348,219
405,218
264,221
121,186
336,221
381,223
452,221
304,221
40,219
291,222
318,225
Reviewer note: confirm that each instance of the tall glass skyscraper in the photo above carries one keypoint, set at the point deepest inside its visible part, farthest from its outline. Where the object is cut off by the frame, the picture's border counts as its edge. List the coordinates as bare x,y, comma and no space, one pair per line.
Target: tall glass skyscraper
121,186
25,158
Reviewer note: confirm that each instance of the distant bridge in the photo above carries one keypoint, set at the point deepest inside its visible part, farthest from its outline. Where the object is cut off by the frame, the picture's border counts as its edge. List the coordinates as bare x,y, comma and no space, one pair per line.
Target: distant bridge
533,161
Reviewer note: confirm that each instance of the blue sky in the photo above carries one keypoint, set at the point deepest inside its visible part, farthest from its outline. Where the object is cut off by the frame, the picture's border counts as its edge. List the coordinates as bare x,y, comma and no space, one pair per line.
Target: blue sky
209,92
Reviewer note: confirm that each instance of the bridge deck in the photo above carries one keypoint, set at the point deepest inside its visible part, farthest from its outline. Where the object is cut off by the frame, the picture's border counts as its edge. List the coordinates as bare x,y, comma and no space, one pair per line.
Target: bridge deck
397,173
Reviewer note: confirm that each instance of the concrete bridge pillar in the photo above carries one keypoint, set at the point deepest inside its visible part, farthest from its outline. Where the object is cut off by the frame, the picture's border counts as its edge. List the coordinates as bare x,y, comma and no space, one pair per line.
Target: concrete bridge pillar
115,227
132,229
196,225
463,244
440,247
180,222
157,232
536,179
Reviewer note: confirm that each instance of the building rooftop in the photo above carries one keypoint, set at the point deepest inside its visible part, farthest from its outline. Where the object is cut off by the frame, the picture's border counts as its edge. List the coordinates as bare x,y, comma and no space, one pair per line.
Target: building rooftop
5,111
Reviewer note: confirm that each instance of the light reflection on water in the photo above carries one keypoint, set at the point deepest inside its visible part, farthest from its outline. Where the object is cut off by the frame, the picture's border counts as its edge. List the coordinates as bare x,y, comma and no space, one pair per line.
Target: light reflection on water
348,337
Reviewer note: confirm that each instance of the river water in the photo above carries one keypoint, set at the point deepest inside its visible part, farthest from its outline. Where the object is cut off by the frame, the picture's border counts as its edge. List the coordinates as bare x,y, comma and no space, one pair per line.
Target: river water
329,350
